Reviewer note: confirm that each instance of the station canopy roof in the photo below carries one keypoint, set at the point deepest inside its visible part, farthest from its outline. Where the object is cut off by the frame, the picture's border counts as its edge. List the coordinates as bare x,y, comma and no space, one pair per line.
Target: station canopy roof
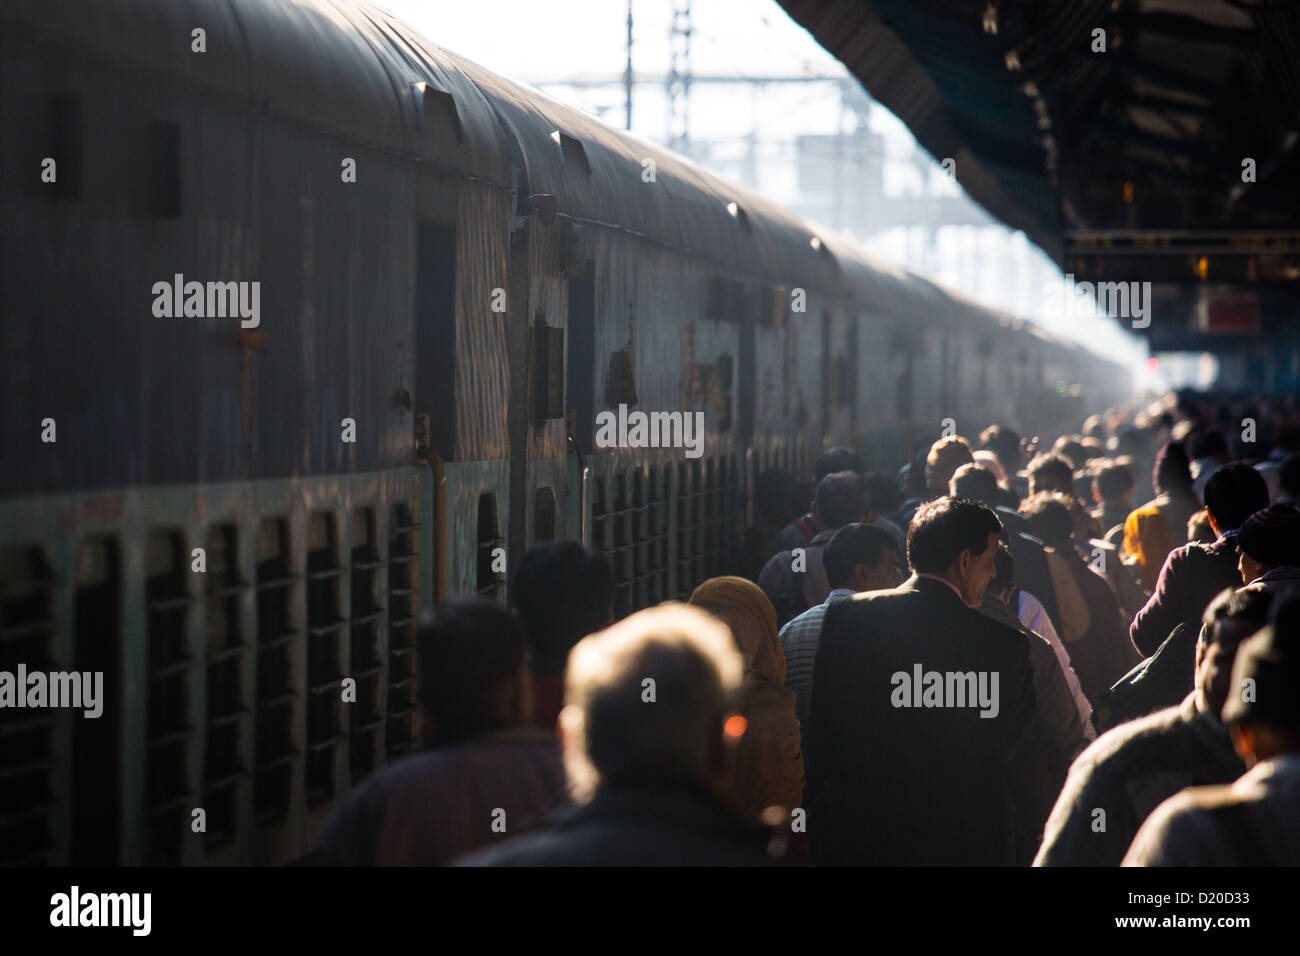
1133,140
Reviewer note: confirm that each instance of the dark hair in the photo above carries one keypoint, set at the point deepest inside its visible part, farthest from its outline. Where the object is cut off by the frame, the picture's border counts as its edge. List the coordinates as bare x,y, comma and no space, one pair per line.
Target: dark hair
837,459
1072,450
883,492
1246,604
562,592
1004,570
1233,493
942,529
852,545
1048,513
466,647
1206,444
1288,476
1057,471
1172,472
841,498
976,483
914,471
1002,441
1287,438
1112,479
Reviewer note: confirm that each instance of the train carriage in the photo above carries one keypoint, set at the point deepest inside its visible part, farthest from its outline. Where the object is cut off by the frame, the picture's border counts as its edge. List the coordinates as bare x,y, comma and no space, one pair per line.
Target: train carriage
235,517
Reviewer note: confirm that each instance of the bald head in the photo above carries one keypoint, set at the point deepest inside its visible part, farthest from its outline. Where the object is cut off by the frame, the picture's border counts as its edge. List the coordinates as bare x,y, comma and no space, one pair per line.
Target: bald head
646,699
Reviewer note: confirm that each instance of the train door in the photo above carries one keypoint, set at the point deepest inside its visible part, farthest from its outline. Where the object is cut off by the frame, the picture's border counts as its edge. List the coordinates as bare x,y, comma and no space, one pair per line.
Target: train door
435,377
580,386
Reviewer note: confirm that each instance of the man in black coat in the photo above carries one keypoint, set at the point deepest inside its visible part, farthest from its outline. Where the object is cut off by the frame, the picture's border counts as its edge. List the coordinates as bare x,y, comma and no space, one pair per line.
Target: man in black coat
923,746
1193,574
648,733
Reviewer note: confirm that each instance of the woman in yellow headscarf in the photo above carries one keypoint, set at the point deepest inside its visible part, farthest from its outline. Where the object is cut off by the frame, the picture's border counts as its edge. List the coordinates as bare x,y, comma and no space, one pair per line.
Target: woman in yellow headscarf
769,759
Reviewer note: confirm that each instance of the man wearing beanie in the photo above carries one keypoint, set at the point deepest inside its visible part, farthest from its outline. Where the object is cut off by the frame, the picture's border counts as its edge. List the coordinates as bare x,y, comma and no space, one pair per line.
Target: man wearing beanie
1256,820
1269,545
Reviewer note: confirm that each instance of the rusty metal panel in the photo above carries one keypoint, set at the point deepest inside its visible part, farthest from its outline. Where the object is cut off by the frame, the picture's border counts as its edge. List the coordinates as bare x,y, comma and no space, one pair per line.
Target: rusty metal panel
482,362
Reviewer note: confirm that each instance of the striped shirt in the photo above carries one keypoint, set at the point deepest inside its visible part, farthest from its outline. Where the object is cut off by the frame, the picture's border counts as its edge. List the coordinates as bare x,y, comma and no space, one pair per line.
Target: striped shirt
799,642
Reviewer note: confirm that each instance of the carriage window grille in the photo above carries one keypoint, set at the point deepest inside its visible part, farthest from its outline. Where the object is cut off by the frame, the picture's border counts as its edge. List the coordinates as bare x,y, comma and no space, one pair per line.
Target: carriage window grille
690,534
402,610
326,627
707,501
225,765
649,539
26,736
611,534
366,718
487,581
277,589
632,532
169,730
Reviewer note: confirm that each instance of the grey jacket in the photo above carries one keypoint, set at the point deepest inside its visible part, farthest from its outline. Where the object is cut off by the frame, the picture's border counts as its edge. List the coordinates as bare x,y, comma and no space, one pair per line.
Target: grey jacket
1252,822
1127,773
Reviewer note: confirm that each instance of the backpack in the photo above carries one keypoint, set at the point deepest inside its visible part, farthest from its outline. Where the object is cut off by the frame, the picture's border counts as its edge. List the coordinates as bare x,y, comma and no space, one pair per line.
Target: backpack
792,601
1162,680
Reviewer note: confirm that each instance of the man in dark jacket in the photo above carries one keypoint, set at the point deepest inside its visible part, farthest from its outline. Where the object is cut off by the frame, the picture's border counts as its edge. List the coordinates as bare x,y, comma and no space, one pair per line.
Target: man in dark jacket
482,768
1129,771
923,739
802,530
795,580
979,484
647,732
1194,573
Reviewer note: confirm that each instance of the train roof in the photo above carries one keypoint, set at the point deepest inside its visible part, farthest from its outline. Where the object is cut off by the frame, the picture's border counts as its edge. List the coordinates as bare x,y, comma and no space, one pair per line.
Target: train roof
361,72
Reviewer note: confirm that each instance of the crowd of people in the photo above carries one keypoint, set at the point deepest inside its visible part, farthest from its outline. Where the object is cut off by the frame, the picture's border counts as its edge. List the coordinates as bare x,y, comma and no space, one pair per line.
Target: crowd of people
1004,653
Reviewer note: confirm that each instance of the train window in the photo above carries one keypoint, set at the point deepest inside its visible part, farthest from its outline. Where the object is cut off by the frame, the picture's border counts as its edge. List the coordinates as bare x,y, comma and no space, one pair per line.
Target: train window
598,513
546,348
26,736
65,145
657,542
225,765
168,728
713,508
617,538
689,533
325,628
648,571
365,716
165,169
573,155
403,606
487,581
544,516
97,763
275,748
